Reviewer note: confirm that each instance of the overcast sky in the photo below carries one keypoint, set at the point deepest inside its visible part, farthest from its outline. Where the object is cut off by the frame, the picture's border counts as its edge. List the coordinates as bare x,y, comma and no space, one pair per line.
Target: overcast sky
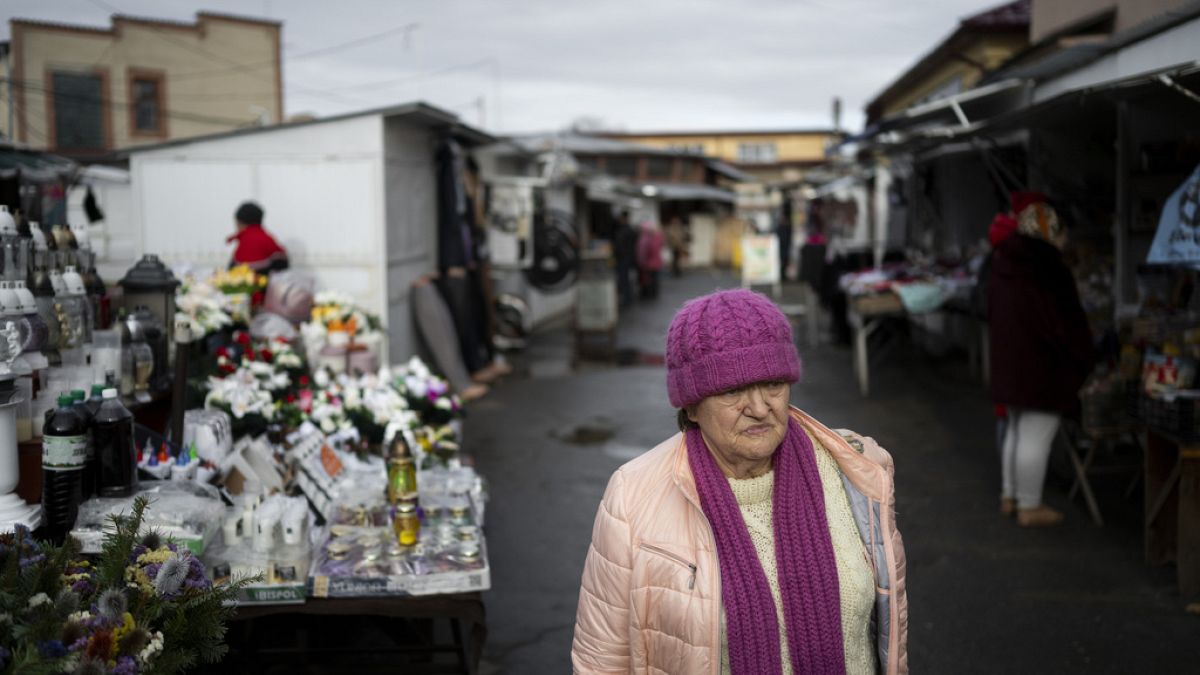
533,65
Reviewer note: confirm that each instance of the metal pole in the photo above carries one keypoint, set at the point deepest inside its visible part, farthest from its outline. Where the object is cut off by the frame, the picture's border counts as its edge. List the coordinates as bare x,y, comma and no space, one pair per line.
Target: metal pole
1121,221
12,93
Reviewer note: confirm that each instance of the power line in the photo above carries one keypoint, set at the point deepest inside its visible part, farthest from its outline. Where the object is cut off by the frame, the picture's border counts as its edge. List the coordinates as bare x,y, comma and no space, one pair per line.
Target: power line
415,76
341,46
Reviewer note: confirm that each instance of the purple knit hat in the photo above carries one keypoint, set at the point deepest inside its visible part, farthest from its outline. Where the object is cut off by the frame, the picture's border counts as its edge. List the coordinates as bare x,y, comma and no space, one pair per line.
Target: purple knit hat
726,340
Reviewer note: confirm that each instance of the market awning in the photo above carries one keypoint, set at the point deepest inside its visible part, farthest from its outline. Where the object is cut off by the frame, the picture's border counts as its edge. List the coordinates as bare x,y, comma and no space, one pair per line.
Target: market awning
34,165
687,192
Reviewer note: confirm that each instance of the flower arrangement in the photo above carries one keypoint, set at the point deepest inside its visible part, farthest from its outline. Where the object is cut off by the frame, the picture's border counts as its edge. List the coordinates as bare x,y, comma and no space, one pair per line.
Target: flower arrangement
206,308
337,312
426,393
239,279
145,606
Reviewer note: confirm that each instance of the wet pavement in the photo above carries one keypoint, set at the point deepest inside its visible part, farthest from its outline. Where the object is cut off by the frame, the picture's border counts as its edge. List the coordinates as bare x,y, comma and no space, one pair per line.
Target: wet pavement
985,596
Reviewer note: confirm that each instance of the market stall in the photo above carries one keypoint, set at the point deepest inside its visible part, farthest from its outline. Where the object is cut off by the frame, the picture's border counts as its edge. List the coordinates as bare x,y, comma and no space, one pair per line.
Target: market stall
250,421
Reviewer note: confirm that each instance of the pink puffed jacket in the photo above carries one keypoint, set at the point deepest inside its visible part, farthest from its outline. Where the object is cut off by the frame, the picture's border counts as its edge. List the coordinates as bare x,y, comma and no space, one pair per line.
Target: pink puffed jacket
650,601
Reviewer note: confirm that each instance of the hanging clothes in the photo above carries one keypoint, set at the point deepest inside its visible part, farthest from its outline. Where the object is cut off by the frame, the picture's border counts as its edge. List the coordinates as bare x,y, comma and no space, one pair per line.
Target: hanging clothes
91,208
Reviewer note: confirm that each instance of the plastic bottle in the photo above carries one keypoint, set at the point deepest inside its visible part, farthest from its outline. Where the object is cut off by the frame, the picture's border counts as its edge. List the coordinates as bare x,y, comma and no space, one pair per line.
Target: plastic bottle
79,403
97,397
64,454
112,429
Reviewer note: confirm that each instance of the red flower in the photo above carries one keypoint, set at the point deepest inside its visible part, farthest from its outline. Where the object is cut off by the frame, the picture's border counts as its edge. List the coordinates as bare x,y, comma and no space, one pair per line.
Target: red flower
303,380
266,355
242,338
100,647
222,352
257,297
290,398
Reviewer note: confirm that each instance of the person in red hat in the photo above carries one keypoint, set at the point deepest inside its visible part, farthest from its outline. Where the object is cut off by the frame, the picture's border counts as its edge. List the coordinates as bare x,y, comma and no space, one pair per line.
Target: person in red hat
255,247
1041,350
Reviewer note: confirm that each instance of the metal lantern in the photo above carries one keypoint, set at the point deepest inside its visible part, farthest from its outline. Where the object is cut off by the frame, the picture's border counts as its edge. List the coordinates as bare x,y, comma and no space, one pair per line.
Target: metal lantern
150,284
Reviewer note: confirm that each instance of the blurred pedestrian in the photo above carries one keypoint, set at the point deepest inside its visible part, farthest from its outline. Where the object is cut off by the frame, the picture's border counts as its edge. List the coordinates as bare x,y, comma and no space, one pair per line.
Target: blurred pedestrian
1041,350
625,251
677,239
649,255
757,540
256,248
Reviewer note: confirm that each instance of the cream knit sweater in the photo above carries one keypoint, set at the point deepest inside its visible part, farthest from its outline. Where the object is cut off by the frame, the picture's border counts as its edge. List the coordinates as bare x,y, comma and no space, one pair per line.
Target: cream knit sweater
856,582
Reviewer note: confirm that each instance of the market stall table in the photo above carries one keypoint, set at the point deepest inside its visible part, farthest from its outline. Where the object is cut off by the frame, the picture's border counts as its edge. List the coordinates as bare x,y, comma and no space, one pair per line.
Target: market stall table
865,318
463,611
1172,525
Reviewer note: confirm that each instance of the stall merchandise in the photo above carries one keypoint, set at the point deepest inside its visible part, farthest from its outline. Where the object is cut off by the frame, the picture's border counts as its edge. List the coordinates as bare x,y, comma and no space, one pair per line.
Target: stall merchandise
143,605
292,429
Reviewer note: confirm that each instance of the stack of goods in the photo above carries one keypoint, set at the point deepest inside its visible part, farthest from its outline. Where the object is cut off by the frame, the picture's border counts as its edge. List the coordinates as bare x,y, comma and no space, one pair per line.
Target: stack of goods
1159,353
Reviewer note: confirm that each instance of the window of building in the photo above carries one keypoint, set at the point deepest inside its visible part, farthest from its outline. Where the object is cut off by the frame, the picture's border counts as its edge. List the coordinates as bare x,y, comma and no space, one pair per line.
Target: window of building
757,153
687,148
146,103
660,167
78,110
625,167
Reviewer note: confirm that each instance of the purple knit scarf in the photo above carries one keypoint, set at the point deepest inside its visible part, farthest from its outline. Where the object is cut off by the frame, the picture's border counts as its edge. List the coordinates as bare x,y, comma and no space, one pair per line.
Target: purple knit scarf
804,559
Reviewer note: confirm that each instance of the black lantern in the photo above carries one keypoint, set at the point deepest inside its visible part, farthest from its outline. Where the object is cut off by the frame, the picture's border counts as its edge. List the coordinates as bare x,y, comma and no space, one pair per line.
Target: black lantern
150,284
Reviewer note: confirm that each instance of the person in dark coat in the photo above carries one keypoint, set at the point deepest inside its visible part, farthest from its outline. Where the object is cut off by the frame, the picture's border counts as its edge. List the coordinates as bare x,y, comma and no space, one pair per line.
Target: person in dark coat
1041,350
625,240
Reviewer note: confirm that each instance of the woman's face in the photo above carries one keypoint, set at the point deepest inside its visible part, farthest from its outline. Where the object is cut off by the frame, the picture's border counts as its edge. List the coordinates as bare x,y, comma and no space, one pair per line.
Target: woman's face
743,427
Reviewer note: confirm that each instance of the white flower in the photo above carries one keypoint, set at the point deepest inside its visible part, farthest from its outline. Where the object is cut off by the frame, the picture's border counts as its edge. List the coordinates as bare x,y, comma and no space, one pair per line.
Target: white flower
321,378
328,426
443,404
416,386
38,600
80,616
152,648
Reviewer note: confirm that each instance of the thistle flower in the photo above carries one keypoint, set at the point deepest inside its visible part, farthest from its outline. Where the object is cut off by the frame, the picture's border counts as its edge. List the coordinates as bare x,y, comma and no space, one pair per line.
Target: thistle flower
152,541
170,576
112,604
66,602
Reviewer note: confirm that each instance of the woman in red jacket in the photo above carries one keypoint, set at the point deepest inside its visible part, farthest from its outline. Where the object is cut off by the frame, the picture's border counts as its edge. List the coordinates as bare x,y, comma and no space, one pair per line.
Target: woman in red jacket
1041,352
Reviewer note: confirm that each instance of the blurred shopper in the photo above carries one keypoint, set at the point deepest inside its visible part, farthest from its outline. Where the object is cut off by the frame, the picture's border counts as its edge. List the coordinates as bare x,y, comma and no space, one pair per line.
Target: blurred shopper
677,239
255,247
625,240
1041,352
743,540
649,257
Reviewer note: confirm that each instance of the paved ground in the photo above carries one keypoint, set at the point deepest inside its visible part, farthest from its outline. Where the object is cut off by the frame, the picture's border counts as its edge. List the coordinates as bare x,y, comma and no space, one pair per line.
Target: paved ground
985,596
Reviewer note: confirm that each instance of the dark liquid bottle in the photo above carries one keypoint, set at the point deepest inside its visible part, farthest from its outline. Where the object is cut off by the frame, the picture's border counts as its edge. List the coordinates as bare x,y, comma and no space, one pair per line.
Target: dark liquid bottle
97,397
91,469
64,454
112,429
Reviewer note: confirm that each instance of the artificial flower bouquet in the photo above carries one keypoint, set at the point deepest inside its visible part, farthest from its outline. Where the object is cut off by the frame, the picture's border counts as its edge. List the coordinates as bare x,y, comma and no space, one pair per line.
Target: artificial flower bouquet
427,394
144,606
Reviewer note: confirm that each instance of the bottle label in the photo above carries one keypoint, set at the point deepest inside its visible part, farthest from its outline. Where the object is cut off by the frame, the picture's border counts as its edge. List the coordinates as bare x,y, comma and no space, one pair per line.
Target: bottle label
64,453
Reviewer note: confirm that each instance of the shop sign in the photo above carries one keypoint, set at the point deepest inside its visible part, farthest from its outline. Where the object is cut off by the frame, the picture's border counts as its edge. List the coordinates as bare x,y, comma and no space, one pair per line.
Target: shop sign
1177,240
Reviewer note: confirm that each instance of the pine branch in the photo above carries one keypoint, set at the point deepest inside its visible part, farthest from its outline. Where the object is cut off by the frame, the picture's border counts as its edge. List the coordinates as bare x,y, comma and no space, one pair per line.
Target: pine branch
114,556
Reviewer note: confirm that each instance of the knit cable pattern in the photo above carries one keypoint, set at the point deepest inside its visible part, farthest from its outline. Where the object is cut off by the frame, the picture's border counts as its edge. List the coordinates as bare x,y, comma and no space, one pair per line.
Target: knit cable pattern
804,555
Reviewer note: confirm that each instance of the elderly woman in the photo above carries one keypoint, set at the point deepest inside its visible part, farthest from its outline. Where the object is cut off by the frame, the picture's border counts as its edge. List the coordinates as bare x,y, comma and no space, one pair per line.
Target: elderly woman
756,541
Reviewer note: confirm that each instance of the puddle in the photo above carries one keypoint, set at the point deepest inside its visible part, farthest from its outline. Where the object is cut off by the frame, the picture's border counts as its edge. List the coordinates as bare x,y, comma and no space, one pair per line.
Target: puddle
592,433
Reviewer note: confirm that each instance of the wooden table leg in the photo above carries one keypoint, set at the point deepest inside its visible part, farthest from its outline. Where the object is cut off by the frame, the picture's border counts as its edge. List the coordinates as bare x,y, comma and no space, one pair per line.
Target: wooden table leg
1187,556
1161,514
